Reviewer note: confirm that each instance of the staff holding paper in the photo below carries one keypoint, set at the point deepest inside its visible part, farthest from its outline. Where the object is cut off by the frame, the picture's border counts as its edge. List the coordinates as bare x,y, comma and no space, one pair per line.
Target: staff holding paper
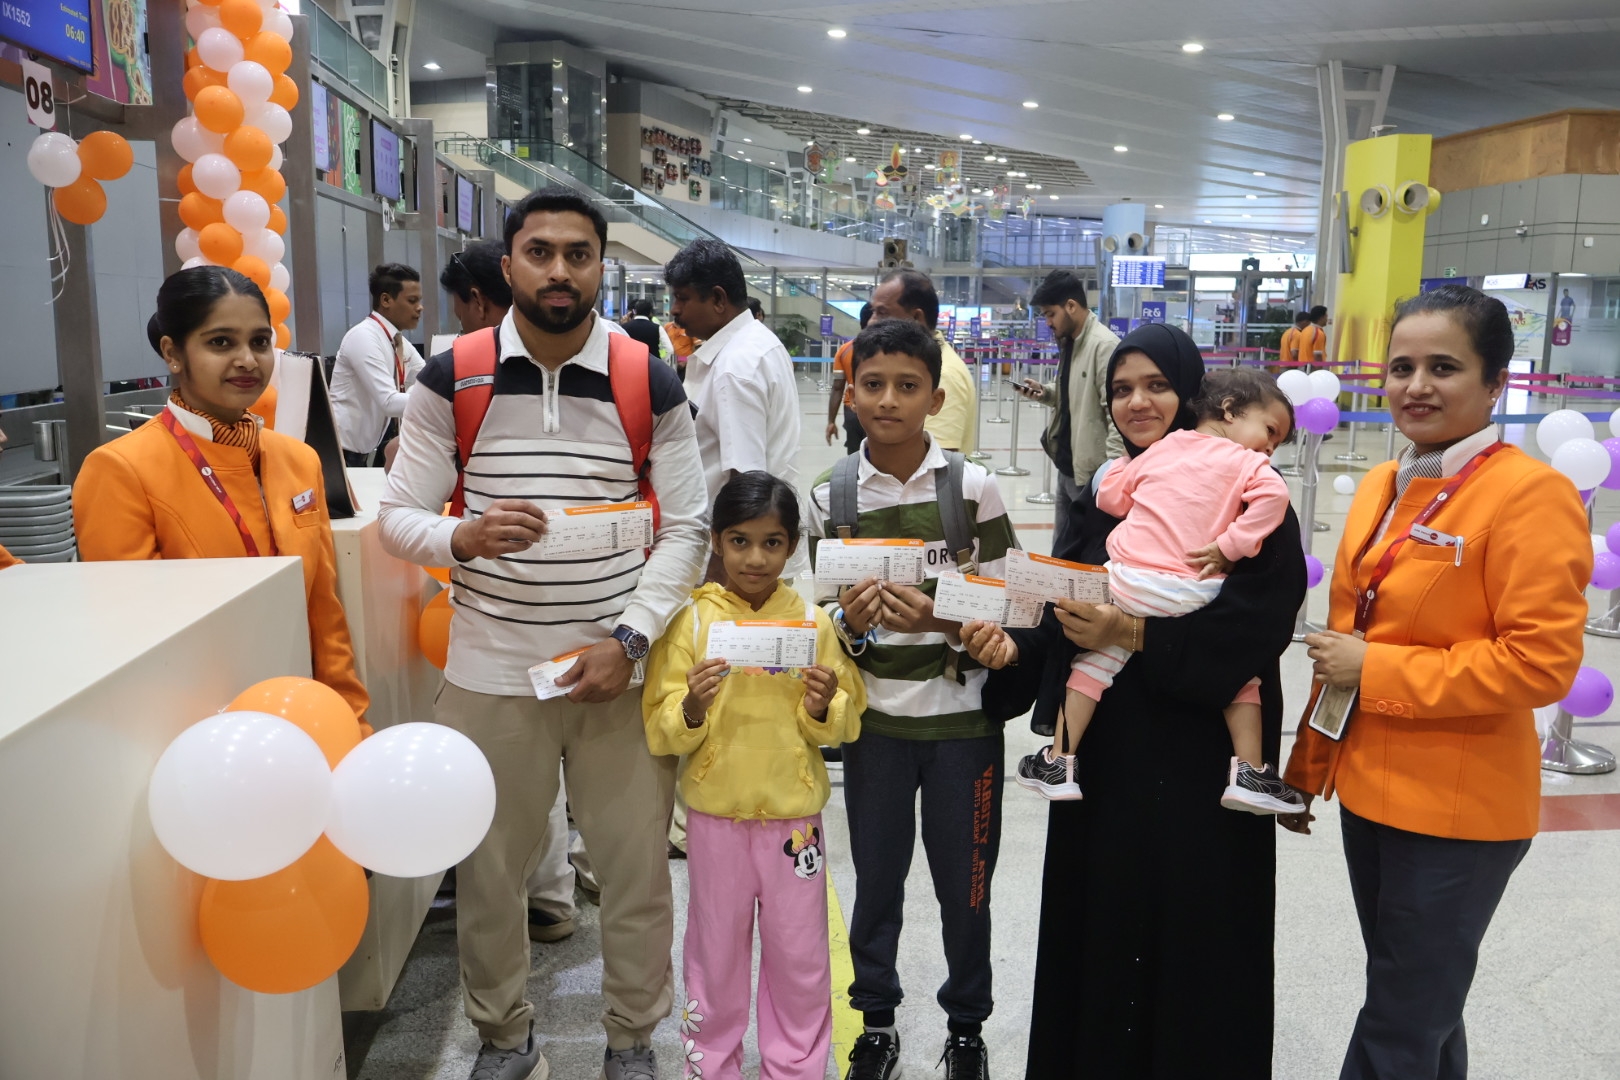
1458,607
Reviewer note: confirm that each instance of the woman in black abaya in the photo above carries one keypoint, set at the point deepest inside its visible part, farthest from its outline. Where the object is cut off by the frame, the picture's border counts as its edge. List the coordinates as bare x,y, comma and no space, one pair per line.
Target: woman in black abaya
1157,909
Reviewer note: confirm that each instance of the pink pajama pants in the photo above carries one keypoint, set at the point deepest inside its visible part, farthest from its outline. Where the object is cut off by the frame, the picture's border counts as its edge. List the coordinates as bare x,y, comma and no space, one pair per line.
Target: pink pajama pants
778,867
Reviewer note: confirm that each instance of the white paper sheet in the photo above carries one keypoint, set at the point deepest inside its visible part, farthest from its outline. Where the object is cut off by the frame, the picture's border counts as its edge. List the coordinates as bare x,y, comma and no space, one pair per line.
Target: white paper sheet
775,646
841,563
596,530
1040,579
965,598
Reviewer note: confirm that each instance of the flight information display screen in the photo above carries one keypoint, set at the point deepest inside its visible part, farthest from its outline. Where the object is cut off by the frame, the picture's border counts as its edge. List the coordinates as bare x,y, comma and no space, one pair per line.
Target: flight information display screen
1137,272
56,28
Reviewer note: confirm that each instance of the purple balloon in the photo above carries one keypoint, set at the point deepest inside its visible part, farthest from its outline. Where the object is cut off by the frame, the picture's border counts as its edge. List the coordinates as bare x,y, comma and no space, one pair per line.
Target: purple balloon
1613,480
1314,571
1586,496
1318,416
1612,537
1591,695
1606,571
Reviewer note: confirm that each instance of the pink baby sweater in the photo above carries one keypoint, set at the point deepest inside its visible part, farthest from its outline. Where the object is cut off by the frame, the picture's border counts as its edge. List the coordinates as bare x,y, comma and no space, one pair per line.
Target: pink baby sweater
1184,491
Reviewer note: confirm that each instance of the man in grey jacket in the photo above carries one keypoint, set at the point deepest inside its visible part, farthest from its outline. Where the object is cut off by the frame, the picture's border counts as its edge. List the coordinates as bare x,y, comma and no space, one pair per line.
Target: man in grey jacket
1080,435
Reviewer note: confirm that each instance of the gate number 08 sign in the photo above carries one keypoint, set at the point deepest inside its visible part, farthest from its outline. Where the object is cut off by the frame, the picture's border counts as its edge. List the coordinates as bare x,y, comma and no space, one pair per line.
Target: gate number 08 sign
39,94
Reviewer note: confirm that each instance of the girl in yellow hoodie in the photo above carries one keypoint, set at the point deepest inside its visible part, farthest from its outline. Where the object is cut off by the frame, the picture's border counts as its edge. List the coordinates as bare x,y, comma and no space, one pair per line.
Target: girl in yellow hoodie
754,785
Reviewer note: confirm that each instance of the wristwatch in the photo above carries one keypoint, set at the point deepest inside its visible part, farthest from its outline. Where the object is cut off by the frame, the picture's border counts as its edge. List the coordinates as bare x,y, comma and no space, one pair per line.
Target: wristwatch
636,645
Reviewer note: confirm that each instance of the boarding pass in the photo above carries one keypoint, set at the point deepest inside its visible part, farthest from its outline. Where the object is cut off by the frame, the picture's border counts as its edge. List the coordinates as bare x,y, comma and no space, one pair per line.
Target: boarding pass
597,530
844,562
543,676
965,598
776,646
1040,578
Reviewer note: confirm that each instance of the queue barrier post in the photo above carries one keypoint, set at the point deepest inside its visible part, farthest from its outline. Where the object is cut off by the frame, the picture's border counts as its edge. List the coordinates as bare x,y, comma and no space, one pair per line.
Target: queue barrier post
1012,468
1562,753
1000,397
1311,446
1356,405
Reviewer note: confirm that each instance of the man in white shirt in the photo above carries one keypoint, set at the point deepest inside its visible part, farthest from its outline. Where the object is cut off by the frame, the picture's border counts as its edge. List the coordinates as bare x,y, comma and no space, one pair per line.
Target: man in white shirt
740,379
376,365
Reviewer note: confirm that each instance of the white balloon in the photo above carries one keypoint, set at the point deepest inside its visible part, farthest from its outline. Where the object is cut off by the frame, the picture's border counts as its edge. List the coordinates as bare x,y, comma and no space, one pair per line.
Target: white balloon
279,278
275,158
239,795
192,264
216,176
1344,485
280,24
273,120
1584,461
1324,384
200,20
245,211
251,82
53,159
185,245
264,243
1295,385
192,140
219,49
411,800
1558,428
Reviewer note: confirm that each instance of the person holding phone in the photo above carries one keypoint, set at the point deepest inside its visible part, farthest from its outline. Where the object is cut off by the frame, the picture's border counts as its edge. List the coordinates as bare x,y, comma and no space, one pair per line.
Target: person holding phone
1458,606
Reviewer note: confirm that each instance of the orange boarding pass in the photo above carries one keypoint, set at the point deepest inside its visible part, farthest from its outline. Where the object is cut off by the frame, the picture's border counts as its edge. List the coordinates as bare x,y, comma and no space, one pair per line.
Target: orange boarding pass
596,530
544,675
842,563
761,644
1040,578
966,598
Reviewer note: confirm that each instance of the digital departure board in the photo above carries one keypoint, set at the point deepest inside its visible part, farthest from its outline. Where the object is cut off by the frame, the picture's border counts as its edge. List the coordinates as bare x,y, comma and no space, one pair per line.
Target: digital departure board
1137,272
59,29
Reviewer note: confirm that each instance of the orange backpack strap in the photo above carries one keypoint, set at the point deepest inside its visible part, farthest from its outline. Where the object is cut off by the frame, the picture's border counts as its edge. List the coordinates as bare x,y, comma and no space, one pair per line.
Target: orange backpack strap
632,396
474,356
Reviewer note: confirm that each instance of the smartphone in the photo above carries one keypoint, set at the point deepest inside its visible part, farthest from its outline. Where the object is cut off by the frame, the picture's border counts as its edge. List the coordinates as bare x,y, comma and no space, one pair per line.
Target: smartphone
1029,391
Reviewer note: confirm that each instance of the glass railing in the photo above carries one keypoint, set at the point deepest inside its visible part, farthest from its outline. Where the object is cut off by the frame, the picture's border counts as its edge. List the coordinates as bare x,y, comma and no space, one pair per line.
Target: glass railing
338,51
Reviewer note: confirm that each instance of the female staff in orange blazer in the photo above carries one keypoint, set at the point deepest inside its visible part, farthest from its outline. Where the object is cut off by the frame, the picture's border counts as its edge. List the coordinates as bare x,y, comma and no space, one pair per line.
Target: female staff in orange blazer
1476,619
146,495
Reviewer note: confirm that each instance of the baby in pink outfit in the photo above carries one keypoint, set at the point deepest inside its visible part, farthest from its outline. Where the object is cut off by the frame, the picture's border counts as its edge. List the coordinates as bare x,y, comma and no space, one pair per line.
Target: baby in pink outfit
1193,504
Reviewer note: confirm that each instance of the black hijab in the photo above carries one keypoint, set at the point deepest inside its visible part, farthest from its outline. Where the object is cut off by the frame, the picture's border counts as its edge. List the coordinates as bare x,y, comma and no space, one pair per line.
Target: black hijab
1177,357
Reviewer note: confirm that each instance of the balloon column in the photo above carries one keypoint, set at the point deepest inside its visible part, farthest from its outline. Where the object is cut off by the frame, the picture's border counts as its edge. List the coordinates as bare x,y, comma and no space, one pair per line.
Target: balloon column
1314,398
280,802
1566,437
241,101
74,170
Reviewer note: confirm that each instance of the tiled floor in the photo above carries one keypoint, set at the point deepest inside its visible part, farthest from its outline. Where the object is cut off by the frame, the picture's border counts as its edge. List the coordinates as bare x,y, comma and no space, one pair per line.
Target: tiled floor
1546,1001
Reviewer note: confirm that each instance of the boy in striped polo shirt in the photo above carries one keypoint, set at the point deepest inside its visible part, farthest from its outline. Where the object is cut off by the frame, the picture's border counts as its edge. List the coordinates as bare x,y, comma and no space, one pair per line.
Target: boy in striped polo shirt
924,726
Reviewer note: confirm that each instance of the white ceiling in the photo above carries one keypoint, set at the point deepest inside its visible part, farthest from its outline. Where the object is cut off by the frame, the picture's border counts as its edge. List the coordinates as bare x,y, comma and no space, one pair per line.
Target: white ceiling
1105,74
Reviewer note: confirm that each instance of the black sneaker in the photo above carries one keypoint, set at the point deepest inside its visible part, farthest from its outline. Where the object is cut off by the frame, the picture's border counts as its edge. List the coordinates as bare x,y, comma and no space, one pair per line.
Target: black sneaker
1052,776
1260,791
876,1056
965,1058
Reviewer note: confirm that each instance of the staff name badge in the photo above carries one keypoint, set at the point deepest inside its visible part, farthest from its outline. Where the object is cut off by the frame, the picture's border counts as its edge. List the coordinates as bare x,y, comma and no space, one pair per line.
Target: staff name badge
303,501
763,646
966,598
597,530
844,562
544,675
1040,578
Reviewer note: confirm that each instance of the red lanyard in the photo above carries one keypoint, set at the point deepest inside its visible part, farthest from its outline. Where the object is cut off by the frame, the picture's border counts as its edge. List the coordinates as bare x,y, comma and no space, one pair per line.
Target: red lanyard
399,365
189,446
1364,603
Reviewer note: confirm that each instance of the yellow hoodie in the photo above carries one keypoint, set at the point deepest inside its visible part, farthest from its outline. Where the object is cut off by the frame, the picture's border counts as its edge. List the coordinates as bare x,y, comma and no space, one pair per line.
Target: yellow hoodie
749,760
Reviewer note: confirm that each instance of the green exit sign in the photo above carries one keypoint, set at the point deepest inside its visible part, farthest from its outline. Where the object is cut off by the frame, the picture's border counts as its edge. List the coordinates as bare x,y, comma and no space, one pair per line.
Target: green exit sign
1450,271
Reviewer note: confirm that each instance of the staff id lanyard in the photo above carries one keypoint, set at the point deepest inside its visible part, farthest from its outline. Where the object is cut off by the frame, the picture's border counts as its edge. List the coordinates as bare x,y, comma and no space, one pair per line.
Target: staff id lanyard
399,364
188,446
1334,706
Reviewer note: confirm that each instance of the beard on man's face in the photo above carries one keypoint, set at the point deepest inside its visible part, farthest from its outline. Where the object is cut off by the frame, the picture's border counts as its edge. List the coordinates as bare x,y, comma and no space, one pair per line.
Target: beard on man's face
550,318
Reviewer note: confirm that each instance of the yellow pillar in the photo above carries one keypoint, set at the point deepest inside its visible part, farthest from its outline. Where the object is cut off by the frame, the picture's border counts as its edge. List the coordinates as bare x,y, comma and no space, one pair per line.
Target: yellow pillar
1387,179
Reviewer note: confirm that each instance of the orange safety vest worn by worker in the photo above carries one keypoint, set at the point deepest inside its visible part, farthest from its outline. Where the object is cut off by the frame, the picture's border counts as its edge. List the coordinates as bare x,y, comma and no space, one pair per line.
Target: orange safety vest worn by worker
141,497
844,364
1460,648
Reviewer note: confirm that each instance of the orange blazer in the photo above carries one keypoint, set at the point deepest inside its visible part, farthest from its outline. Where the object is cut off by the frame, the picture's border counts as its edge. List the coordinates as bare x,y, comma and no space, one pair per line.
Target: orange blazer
7,559
1442,741
139,497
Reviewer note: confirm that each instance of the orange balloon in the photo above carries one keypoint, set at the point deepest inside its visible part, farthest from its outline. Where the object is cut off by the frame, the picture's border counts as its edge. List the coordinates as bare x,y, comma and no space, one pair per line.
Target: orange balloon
283,336
248,147
438,573
184,181
366,730
198,79
198,211
316,708
280,306
254,269
105,155
221,244
268,49
209,3
241,17
278,219
192,58
285,93
266,182
81,202
218,109
433,630
290,930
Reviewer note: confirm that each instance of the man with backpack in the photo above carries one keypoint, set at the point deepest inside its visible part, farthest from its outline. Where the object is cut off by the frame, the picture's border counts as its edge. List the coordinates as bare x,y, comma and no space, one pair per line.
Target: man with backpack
517,423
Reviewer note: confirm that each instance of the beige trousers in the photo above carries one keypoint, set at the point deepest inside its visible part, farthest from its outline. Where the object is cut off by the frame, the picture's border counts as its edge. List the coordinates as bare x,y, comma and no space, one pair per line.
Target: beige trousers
621,798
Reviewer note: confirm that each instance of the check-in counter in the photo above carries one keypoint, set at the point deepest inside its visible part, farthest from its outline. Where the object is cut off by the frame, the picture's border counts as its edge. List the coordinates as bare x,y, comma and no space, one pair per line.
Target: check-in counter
383,598
101,970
